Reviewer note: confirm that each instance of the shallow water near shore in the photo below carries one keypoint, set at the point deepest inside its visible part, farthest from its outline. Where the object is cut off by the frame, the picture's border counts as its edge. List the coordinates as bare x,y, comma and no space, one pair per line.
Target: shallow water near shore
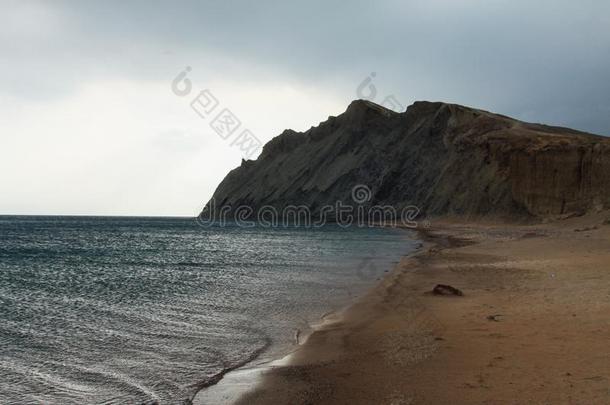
115,310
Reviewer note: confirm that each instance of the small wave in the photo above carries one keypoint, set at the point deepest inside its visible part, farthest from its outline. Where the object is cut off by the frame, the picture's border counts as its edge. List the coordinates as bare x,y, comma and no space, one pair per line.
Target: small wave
218,376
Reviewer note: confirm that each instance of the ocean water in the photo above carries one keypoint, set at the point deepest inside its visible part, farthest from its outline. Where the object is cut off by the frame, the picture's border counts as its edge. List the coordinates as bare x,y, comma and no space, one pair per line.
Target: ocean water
138,310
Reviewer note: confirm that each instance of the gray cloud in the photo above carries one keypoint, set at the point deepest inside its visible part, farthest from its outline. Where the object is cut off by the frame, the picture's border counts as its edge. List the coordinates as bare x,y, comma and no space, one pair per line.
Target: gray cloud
547,61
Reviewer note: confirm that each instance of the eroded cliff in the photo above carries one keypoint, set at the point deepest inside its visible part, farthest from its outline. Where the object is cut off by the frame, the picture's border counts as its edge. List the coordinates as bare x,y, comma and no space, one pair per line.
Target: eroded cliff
445,159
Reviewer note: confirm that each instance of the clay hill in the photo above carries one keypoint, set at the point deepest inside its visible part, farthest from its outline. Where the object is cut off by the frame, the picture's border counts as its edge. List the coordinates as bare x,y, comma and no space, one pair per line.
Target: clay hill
445,159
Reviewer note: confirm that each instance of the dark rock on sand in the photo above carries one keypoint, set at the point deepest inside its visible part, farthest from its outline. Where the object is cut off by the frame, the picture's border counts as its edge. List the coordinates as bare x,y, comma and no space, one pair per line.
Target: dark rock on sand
442,289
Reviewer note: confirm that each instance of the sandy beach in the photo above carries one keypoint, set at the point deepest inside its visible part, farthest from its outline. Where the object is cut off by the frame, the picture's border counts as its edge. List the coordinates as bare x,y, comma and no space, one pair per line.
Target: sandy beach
532,327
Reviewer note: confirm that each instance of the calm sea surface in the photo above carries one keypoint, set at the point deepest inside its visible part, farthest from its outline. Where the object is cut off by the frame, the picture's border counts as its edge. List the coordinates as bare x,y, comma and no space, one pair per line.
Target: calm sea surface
133,310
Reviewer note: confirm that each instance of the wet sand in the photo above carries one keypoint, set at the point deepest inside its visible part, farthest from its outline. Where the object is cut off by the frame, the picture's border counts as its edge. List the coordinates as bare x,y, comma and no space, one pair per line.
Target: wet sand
533,326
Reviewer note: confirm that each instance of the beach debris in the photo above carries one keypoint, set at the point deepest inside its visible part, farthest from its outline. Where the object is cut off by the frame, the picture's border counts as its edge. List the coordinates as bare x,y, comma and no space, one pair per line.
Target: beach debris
494,318
443,289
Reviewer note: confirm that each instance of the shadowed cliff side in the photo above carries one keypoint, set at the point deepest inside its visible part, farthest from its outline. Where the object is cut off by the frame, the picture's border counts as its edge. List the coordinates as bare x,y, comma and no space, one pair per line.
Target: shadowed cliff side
445,159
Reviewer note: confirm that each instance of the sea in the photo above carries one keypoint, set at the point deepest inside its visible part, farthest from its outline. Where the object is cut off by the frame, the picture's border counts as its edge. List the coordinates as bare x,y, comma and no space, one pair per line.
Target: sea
115,310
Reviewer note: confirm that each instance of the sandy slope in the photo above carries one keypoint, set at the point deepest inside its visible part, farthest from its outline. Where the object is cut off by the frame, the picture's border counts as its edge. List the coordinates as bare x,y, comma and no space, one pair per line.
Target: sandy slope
549,286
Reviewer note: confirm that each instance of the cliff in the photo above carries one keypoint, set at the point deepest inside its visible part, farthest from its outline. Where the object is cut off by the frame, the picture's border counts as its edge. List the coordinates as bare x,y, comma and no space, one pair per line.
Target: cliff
445,159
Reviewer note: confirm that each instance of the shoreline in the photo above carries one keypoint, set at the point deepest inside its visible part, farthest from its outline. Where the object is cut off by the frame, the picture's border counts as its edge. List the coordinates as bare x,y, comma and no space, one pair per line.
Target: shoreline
254,376
500,343
215,379
237,381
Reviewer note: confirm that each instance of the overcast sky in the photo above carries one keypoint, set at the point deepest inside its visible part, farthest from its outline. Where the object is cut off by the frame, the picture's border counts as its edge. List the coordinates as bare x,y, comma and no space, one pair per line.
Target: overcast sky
89,123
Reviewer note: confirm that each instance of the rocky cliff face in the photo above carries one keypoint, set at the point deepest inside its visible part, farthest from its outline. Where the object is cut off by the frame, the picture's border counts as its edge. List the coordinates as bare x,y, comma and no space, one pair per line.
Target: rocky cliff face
445,159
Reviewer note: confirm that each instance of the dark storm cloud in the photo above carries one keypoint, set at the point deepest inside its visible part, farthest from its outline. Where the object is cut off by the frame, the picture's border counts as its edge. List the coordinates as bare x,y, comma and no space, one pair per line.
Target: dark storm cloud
548,61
